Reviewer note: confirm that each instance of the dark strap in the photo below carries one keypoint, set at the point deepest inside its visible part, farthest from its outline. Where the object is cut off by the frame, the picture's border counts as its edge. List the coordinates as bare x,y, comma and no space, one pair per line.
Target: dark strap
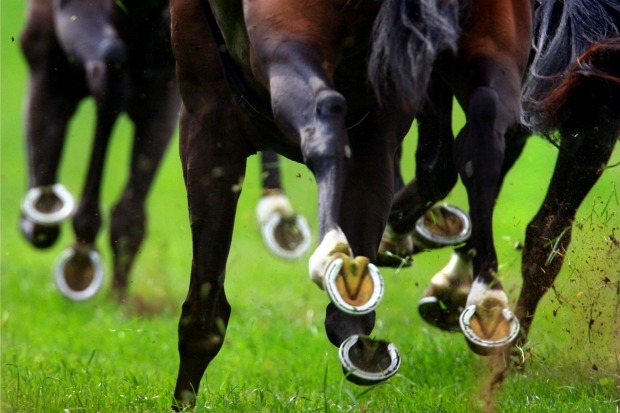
244,96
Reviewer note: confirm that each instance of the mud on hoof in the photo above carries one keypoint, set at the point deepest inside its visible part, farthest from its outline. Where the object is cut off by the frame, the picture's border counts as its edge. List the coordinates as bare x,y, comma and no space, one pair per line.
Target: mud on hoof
285,234
78,273
489,328
354,285
441,226
445,298
366,361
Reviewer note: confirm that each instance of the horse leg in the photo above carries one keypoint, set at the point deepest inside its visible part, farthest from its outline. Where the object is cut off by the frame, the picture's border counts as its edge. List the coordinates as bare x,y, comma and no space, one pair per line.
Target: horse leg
486,322
53,95
407,232
495,53
579,165
297,68
212,172
155,119
284,233
445,298
92,41
365,209
213,155
584,109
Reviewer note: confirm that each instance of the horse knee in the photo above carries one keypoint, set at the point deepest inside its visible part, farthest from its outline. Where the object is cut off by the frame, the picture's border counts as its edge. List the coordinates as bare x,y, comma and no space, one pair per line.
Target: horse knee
321,139
102,71
481,145
483,106
330,103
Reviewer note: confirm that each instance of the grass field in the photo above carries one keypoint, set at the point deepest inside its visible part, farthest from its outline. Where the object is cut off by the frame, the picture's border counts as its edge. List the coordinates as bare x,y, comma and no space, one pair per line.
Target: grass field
97,356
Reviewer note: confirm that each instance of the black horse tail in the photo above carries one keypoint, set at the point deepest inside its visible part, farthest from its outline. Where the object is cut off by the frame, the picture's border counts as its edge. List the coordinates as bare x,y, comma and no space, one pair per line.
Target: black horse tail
563,31
408,36
589,95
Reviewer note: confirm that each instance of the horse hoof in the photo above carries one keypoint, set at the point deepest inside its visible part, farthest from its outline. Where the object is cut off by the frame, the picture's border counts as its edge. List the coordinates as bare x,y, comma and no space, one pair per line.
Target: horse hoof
48,205
354,285
441,314
79,273
441,226
446,297
366,361
39,236
395,250
489,330
287,238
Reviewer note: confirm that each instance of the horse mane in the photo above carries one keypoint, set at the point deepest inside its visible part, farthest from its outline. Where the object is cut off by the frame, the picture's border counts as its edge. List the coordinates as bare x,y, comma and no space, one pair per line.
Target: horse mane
563,32
408,36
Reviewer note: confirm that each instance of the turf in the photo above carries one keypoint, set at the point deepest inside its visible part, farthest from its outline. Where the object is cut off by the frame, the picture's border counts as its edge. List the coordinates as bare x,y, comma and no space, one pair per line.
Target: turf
100,356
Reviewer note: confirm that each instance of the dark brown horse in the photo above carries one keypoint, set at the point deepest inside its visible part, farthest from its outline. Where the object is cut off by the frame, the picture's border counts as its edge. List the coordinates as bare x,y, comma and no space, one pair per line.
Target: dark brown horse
298,72
572,94
76,50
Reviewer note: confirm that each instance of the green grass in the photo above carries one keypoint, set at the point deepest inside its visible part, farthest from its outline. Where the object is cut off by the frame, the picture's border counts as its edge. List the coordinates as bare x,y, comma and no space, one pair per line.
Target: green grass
98,356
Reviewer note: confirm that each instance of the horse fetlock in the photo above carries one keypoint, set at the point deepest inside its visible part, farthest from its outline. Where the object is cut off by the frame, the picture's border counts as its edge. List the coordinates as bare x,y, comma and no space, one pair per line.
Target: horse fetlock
446,296
457,273
273,203
333,241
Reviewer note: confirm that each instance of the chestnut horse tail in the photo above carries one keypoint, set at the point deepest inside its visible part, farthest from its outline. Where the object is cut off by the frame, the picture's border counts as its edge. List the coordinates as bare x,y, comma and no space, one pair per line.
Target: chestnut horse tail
563,31
589,94
408,36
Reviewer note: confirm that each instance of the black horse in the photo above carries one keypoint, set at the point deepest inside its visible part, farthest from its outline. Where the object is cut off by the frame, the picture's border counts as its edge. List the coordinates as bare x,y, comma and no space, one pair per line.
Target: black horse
76,50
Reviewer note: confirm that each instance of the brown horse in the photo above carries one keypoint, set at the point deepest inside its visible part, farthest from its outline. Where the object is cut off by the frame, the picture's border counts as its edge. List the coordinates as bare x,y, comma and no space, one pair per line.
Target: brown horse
76,50
298,74
573,94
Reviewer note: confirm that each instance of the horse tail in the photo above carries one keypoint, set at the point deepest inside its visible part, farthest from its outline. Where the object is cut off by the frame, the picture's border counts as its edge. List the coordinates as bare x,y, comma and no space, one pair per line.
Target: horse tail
589,93
408,36
563,31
